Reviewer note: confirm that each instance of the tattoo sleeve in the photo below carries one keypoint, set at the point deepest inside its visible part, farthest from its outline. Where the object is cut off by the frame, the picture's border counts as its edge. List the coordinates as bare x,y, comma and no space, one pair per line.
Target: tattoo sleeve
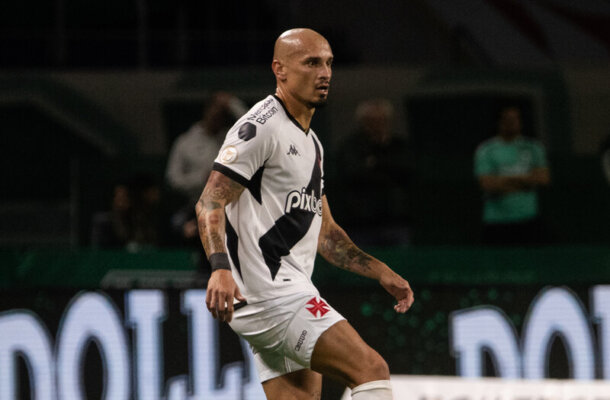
338,249
218,192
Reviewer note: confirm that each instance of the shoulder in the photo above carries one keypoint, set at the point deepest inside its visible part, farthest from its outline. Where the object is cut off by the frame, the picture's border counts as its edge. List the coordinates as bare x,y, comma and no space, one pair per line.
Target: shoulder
265,113
261,120
193,134
487,146
531,143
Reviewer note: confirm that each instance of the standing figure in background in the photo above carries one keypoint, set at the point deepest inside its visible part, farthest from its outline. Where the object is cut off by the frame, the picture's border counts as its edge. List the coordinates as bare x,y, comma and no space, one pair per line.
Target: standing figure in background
374,164
113,228
510,168
190,163
133,221
193,152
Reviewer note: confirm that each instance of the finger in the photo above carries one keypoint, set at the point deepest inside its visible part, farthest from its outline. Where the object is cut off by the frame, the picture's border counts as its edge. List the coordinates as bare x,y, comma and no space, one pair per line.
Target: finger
213,306
238,295
225,302
210,300
404,305
229,314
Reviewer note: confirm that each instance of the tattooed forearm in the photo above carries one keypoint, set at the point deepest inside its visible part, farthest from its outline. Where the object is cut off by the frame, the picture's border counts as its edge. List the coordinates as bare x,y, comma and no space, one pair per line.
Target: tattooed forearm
336,247
218,192
221,189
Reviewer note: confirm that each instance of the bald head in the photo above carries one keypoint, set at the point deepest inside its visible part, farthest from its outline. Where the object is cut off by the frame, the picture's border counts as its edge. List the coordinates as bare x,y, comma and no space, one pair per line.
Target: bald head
296,41
302,64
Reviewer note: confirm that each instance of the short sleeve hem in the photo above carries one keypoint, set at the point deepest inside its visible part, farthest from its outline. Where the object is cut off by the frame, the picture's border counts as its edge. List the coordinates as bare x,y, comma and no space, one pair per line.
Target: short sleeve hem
236,176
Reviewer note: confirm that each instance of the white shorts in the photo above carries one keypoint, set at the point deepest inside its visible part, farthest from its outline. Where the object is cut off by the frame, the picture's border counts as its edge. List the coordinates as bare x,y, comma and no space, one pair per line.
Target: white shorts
283,332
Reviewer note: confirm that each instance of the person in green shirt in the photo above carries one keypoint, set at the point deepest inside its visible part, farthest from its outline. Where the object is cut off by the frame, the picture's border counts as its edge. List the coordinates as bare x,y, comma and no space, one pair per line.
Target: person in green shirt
510,168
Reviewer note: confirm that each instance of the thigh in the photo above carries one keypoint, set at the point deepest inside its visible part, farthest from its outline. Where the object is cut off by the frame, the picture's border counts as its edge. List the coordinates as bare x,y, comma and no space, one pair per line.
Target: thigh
304,384
340,353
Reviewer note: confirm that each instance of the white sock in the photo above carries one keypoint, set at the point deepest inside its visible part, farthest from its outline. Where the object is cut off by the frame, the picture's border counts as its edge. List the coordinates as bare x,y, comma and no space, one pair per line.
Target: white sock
374,390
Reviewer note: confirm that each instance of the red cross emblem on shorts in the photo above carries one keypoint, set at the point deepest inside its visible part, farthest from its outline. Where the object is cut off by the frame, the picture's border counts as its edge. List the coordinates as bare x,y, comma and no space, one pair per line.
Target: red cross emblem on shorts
317,306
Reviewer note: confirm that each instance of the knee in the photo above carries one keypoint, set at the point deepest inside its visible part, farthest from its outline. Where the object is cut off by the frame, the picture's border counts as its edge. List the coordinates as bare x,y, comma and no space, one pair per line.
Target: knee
377,367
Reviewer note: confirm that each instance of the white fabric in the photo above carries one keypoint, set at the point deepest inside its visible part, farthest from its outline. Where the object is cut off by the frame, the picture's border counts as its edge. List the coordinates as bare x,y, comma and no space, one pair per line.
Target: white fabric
374,390
283,332
269,153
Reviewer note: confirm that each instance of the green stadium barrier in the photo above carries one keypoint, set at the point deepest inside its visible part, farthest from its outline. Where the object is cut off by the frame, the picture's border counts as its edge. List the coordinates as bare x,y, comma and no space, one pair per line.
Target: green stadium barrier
420,265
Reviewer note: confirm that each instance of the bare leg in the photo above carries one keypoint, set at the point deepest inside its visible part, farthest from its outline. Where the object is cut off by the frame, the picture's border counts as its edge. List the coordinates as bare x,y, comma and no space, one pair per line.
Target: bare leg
304,384
341,354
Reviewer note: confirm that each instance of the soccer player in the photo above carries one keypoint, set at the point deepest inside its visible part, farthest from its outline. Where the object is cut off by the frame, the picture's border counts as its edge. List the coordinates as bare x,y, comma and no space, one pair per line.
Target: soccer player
263,215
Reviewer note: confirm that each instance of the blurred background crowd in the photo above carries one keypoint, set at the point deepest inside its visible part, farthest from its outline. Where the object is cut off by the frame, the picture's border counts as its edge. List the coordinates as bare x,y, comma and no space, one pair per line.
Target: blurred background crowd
449,123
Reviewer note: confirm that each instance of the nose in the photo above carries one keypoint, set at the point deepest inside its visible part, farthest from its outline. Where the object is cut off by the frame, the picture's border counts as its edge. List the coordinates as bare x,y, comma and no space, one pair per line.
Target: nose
326,72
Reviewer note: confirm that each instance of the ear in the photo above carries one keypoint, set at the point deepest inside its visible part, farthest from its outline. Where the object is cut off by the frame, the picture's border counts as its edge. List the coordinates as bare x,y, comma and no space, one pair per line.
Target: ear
279,70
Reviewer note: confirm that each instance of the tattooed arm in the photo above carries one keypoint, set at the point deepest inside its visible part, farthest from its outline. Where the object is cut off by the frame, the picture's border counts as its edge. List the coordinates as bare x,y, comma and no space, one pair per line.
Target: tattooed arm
338,249
222,289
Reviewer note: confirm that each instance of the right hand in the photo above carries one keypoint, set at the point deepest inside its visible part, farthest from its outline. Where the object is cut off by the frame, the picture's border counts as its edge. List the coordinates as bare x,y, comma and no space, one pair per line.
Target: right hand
399,288
222,289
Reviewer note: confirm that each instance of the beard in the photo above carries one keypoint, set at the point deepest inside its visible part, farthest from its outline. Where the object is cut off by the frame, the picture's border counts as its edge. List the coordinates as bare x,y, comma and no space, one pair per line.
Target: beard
320,103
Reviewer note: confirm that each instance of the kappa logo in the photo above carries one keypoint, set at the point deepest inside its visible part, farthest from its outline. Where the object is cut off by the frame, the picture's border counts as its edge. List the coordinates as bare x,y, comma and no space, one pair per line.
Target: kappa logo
317,307
293,151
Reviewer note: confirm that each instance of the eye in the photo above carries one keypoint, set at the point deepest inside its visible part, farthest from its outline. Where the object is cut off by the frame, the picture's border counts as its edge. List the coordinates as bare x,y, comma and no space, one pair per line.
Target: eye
313,62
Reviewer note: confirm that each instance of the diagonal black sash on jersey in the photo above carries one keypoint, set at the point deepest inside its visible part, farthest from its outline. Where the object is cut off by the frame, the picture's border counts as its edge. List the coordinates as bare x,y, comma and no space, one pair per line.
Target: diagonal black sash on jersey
292,226
232,244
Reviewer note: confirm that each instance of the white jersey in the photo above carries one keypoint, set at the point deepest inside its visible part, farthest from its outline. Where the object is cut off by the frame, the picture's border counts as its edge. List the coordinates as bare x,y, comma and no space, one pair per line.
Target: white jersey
272,229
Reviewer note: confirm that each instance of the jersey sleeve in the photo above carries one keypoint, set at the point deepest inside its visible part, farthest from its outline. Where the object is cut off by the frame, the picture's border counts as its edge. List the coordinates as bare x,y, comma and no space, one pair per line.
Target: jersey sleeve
246,148
539,159
483,164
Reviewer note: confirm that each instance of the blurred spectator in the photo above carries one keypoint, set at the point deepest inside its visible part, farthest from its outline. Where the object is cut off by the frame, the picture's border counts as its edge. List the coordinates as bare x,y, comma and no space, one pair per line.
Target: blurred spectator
191,159
146,197
375,169
192,156
193,152
133,221
510,167
605,158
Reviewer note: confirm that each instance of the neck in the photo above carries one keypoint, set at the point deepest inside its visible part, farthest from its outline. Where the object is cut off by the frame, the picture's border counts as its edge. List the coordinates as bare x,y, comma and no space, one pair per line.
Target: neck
299,111
509,137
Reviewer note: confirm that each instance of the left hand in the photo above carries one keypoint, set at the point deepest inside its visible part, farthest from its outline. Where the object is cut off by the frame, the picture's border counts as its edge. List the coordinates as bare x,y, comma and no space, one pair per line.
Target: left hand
395,285
221,291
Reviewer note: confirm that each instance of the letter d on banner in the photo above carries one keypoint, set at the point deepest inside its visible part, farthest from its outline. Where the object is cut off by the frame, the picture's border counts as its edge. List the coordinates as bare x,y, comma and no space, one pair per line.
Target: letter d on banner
484,328
23,333
92,316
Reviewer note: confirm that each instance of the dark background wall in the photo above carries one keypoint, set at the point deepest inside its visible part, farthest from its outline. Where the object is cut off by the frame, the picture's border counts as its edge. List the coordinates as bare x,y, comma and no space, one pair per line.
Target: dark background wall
91,92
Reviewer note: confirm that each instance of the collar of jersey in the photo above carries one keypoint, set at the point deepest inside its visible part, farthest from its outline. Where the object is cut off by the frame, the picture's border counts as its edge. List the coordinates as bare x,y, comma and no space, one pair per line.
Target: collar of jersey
293,119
